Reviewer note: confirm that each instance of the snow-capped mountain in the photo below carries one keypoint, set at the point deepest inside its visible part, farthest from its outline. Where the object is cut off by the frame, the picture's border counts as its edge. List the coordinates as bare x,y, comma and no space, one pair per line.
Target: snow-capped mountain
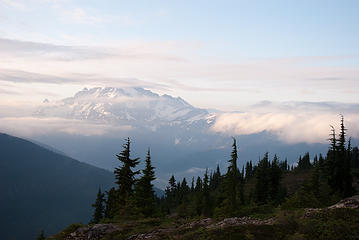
179,135
133,106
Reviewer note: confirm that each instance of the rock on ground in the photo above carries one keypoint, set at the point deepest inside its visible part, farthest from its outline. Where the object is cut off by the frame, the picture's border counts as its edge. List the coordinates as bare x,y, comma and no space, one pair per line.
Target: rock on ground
94,232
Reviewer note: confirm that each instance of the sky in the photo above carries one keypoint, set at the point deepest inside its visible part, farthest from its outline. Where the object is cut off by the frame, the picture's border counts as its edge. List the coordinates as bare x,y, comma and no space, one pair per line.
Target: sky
226,55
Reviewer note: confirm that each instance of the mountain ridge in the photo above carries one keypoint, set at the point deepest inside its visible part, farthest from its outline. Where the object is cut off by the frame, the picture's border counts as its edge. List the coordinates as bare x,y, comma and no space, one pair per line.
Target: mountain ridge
137,106
38,184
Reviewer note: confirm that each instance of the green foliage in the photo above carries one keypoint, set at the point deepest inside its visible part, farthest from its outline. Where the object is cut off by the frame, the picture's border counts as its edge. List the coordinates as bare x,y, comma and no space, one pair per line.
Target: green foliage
289,220
70,229
301,199
339,162
207,208
304,163
231,180
258,191
99,207
125,175
120,202
262,180
112,205
335,224
263,211
248,232
275,178
41,235
355,157
144,193
171,195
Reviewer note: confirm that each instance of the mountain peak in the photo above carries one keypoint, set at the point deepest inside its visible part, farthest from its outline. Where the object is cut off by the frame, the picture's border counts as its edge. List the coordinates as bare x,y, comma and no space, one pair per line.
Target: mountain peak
113,92
130,105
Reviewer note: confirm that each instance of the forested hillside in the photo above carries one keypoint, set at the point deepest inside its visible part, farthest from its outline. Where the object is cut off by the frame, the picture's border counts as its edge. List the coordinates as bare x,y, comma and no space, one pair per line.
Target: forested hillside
265,190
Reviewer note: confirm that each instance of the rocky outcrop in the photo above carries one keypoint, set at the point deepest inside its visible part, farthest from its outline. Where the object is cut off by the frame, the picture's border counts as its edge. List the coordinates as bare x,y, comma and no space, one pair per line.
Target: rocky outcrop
94,232
176,231
207,223
153,235
98,231
236,221
352,202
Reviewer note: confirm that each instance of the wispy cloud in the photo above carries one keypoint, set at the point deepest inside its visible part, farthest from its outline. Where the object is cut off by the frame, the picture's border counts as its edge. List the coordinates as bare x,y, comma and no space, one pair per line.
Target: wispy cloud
173,67
32,126
8,92
33,50
15,48
17,76
80,15
19,5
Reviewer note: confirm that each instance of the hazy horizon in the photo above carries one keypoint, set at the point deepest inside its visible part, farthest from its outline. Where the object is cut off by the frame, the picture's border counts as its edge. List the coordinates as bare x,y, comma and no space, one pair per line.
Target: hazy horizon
269,66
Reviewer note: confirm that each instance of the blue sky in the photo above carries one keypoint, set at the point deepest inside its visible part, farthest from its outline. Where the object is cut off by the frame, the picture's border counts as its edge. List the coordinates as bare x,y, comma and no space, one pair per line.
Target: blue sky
235,53
246,29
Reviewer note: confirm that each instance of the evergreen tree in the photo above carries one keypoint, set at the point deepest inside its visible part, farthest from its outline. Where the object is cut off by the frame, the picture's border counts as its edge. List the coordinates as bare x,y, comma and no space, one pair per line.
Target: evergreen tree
333,139
112,204
99,207
198,196
144,193
41,235
198,187
248,171
275,177
215,181
321,161
342,136
355,157
346,158
182,199
171,194
192,185
338,163
184,187
241,189
262,180
232,179
304,163
252,168
332,161
125,175
206,198
315,180
315,160
172,183
284,165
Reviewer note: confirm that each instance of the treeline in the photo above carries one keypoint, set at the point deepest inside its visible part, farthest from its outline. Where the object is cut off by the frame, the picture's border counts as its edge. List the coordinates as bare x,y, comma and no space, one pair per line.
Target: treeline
255,188
226,195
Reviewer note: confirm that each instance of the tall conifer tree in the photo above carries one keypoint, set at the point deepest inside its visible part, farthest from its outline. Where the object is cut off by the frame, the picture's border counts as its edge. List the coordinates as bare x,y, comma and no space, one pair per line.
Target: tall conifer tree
275,177
206,198
262,180
125,175
99,207
232,179
144,193
112,204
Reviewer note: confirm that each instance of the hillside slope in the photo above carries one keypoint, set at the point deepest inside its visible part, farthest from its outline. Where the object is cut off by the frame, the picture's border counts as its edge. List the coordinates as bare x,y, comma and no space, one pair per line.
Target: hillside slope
41,189
339,221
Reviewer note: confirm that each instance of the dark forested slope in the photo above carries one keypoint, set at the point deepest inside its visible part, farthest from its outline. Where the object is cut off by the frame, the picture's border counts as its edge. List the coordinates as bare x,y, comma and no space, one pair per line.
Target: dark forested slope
41,189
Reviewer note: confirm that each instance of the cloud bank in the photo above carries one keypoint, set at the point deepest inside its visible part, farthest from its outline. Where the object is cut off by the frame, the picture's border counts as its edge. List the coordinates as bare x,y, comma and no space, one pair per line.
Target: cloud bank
291,122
